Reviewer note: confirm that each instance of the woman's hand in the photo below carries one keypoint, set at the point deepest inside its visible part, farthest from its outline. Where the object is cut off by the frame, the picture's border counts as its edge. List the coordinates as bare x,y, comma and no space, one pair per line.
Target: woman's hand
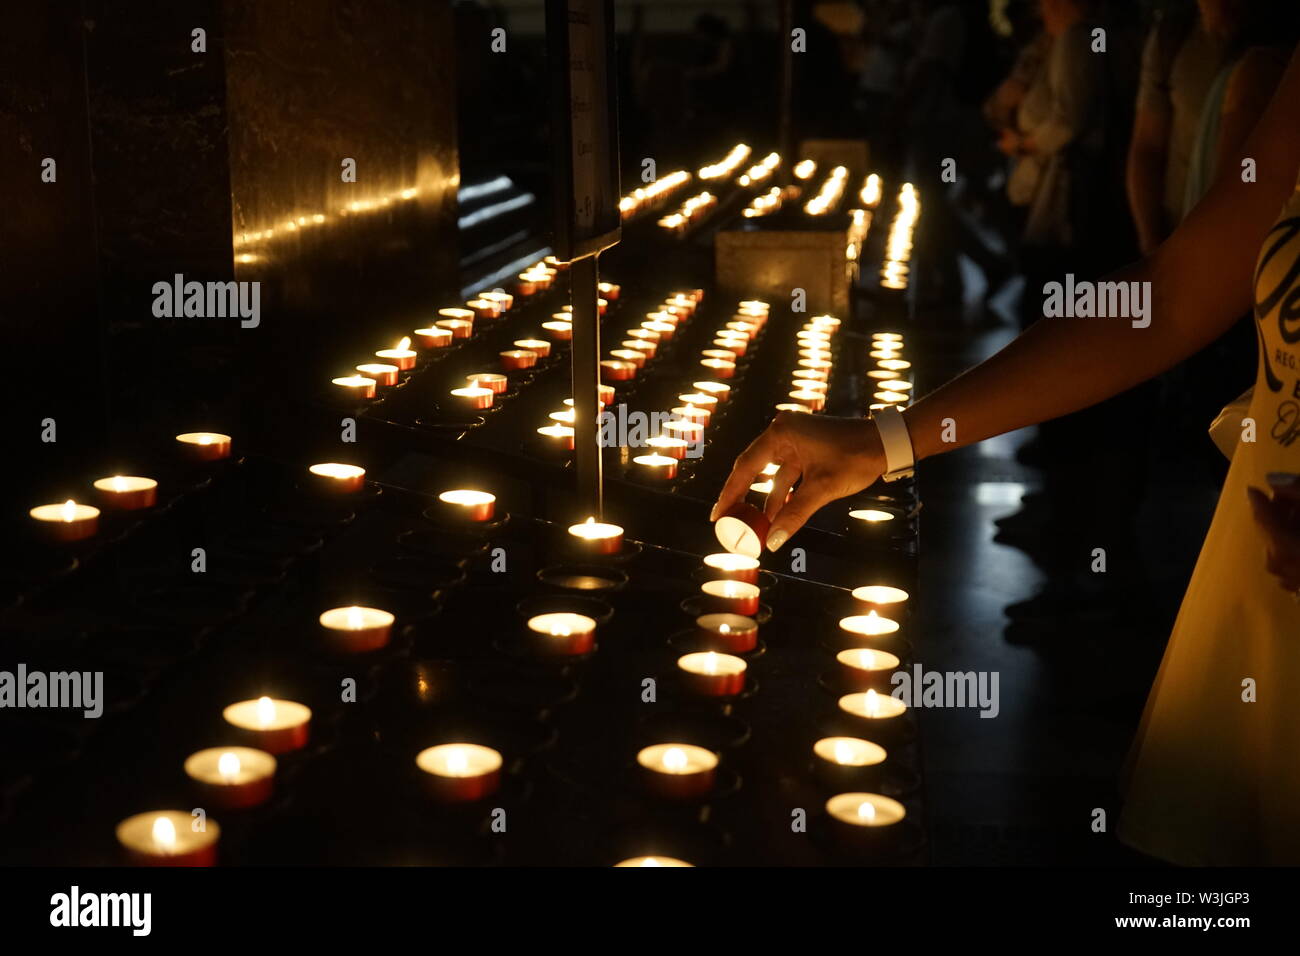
830,458
1279,518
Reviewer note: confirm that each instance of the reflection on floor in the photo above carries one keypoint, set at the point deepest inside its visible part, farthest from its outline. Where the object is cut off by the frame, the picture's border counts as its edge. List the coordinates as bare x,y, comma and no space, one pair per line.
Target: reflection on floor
1022,788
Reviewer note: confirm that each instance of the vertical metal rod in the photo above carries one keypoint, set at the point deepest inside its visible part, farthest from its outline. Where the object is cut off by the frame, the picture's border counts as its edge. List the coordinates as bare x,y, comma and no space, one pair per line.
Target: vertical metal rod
585,356
785,90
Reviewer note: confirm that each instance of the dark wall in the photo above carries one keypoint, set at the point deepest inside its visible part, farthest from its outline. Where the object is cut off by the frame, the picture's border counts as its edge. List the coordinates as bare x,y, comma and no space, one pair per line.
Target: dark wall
169,161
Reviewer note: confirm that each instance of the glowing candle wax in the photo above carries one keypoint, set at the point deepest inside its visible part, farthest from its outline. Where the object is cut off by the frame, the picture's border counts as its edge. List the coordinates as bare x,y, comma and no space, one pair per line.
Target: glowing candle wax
66,522
401,355
719,367
337,478
168,838
356,630
558,436
476,397
539,346
865,820
127,492
495,381
866,667
883,354
733,633
209,446
888,396
870,625
654,861
560,331
885,715
719,390
609,290
732,567
459,328
632,357
460,773
232,777
356,386
893,365
678,771
504,299
691,432
616,370
276,726
849,751
597,537
514,360
711,674
645,347
656,467
733,597
692,413
813,401
484,308
700,401
382,373
464,504
563,633
887,600
433,338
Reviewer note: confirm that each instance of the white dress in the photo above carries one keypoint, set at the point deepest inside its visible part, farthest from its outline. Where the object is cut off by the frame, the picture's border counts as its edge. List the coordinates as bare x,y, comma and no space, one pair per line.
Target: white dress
1214,779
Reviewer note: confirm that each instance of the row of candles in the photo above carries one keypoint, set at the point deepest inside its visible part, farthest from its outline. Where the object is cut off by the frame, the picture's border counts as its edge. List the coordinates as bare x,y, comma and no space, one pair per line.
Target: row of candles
895,269
687,422
75,521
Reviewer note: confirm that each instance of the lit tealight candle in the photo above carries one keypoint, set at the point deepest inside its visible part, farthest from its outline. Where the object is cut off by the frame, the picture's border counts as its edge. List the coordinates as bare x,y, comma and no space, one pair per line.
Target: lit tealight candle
669,445
541,347
848,761
495,381
68,521
883,713
656,467
168,838
514,360
433,338
662,329
337,478
609,290
813,401
719,390
893,365
733,633
127,492
461,315
882,598
644,346
382,373
722,368
276,726
210,446
401,355
476,397
232,778
597,537
733,597
882,354
460,773
872,522
732,567
561,331
865,820
465,504
736,345
635,357
558,436
484,308
690,432
890,396
678,771
355,386
865,667
356,630
712,674
869,625
700,400
617,370
886,337
653,861
503,299
563,633
459,328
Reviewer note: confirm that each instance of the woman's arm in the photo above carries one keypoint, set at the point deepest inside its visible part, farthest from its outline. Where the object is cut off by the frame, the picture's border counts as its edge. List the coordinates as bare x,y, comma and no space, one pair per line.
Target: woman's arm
1200,281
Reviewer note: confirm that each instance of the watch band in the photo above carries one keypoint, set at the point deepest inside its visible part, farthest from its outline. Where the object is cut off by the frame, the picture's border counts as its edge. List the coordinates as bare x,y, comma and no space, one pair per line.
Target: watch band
900,461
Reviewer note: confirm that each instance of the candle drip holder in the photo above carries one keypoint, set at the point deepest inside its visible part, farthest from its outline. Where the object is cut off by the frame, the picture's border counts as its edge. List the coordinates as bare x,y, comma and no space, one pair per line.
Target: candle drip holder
472,532
692,641
585,578
700,604
433,576
433,543
704,727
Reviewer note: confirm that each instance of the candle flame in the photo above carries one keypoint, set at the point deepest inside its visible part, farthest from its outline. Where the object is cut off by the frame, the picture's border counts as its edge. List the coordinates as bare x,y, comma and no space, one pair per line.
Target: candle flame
405,343
69,510
228,766
205,439
866,811
457,762
265,711
650,861
675,760
710,663
164,835
119,483
843,752
872,704
724,628
354,618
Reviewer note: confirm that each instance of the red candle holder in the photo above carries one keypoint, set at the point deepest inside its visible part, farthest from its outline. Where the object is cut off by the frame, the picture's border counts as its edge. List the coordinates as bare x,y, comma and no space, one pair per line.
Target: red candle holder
356,386
732,633
711,674
336,478
596,537
562,634
460,773
733,597
539,346
631,356
677,771
732,567
476,397
865,668
276,726
168,838
434,338
561,331
464,504
514,360
615,370
656,467
382,373
127,493
232,778
719,367
459,328
66,522
210,446
356,630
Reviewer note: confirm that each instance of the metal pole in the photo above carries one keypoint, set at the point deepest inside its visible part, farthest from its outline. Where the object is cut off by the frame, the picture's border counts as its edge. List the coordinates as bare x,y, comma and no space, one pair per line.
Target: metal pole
785,143
585,356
